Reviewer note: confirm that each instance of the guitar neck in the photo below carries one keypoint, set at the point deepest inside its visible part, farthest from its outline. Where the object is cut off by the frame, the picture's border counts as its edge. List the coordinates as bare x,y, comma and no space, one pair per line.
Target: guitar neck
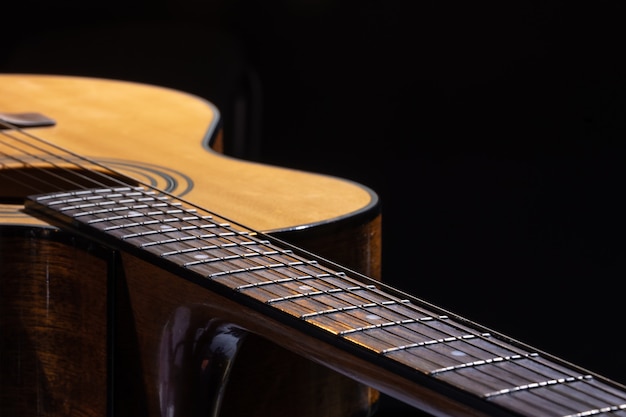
396,343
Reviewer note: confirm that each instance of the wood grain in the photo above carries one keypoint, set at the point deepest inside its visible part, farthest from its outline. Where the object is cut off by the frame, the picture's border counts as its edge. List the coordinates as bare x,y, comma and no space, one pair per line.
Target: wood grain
92,350
108,119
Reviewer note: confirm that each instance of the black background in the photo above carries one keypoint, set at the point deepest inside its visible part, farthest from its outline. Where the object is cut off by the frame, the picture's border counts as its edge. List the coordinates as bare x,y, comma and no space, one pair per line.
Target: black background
494,134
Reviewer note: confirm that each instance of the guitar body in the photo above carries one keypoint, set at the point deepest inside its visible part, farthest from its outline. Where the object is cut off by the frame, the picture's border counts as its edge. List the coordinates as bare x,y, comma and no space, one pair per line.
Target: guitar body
88,330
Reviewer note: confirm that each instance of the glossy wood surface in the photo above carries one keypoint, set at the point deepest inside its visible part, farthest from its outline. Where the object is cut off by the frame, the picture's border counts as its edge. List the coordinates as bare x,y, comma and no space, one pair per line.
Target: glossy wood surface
132,126
83,329
185,288
53,327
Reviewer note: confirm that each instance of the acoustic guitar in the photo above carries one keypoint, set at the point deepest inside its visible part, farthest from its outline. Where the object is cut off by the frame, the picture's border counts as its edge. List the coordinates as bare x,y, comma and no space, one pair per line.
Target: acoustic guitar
143,272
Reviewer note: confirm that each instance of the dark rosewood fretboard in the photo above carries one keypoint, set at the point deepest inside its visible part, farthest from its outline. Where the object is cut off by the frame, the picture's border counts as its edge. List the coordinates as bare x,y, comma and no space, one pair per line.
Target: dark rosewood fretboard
423,344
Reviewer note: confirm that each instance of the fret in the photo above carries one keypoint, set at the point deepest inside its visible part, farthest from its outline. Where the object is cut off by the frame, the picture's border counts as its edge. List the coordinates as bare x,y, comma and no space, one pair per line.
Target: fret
269,284
250,256
109,204
399,330
432,354
370,298
83,207
405,332
186,253
538,382
399,348
391,340
484,351
535,385
426,327
399,323
384,339
282,267
338,300
130,227
326,317
226,268
177,244
150,218
617,411
235,279
92,194
299,306
233,251
262,277
351,305
296,283
533,405
577,398
284,288
187,246
102,215
365,315
493,375
152,235
110,207
168,219
595,398
225,255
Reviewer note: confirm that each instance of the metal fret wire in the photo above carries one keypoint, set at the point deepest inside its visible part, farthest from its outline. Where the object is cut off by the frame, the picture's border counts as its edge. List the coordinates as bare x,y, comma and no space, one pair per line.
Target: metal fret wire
306,278
274,253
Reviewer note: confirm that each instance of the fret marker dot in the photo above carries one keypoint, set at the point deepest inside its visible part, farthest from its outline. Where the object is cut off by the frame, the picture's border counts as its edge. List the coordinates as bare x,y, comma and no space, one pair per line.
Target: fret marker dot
305,287
134,213
373,317
458,353
201,256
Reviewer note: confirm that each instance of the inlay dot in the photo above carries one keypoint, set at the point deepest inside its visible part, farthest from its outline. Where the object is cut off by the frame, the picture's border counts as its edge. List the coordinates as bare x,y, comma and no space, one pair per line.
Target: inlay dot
458,353
305,287
373,317
201,256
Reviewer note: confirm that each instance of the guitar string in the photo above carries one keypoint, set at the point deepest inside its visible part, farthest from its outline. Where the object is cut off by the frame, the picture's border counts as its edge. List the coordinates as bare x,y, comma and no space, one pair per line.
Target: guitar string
73,172
45,172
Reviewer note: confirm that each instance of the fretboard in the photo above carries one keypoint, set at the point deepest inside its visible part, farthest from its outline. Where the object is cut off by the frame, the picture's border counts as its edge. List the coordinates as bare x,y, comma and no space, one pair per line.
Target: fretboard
402,332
